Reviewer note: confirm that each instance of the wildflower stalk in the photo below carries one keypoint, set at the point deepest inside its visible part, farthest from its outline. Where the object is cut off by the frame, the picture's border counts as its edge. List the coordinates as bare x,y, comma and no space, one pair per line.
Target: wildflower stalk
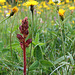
10,45
24,30
14,10
62,31
24,55
32,16
5,19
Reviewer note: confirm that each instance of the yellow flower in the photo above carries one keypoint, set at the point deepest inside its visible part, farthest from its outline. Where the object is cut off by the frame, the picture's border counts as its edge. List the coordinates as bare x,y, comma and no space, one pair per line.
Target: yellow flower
0,7
71,8
41,10
51,2
9,5
0,11
31,2
4,6
19,4
67,1
73,22
14,9
24,4
61,12
59,4
1,1
39,7
38,12
48,8
44,5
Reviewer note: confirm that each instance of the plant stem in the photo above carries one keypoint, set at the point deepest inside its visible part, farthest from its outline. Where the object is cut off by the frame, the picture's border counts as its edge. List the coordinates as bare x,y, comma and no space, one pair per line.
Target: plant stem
4,19
32,17
24,55
63,46
10,45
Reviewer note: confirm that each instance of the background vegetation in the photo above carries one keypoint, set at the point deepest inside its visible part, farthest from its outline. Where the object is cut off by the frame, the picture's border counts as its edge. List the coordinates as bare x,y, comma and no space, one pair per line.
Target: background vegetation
47,55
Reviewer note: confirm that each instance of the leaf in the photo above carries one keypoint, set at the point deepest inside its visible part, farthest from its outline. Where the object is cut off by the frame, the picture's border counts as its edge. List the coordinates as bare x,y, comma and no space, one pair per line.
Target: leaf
1,45
5,50
34,65
56,69
33,43
18,67
64,63
15,57
59,60
41,44
71,58
46,63
37,38
37,53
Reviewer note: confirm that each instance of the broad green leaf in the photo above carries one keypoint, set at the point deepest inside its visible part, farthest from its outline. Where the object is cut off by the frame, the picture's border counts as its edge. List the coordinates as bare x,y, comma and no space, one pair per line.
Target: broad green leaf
71,58
46,63
34,65
37,38
37,53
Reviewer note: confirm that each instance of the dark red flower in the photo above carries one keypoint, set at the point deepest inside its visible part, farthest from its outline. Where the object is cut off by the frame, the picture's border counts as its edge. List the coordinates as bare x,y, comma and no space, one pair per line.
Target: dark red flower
28,42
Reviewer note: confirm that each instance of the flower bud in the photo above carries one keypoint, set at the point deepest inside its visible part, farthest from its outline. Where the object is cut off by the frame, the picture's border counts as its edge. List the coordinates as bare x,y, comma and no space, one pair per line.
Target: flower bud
28,42
20,37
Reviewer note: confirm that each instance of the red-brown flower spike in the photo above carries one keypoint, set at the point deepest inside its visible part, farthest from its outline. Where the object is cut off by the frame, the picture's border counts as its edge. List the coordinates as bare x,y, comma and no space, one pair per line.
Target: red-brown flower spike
24,27
24,31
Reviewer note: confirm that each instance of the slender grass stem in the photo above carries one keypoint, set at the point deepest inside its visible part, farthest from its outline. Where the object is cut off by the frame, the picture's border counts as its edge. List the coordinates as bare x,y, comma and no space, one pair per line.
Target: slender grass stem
4,19
10,45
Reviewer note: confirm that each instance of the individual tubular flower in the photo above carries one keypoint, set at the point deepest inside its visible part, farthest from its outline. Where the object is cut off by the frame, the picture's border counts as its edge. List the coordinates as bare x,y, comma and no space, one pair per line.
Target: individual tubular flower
23,43
14,10
61,13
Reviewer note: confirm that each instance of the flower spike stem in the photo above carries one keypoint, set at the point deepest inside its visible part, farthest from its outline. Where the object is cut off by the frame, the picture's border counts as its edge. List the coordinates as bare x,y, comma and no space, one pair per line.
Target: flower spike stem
24,55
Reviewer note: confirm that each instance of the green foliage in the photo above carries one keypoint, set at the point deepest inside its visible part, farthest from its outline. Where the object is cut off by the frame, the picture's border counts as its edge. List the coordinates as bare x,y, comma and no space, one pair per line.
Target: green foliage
37,53
34,65
46,63
51,54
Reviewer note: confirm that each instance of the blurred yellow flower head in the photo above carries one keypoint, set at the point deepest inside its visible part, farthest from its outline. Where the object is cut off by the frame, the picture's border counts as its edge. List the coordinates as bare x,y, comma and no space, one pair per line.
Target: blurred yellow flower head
72,8
15,9
1,1
67,1
31,2
61,12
